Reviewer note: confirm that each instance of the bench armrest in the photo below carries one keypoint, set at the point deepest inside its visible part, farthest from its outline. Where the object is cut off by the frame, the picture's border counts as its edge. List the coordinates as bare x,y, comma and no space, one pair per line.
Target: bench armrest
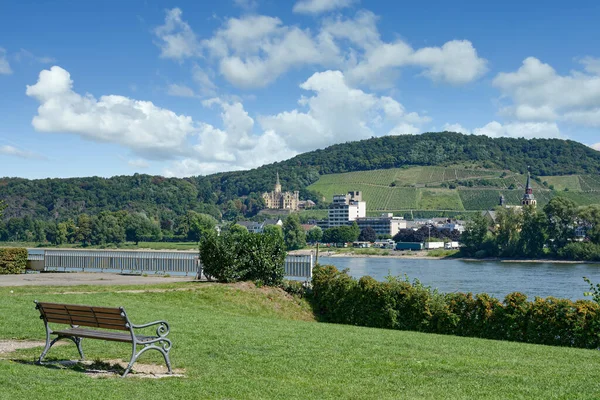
161,331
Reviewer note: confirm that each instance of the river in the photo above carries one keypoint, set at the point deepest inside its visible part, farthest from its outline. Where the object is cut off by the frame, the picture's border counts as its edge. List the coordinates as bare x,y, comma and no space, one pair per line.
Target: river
493,277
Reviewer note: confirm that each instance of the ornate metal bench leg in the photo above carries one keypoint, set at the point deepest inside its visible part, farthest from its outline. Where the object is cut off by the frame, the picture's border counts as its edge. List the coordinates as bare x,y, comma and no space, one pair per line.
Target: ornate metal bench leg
47,348
133,358
77,341
165,354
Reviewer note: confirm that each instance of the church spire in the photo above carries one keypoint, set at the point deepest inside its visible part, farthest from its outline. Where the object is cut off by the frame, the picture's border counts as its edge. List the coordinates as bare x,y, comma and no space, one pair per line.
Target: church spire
277,184
528,197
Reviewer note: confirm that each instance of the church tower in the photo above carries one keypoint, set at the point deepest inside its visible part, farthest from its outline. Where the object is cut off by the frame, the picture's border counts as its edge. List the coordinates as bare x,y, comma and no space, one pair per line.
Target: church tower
277,185
528,197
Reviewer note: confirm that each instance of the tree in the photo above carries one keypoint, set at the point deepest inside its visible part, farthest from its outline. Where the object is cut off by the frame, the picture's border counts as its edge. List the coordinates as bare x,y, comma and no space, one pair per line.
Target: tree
273,230
354,231
474,235
589,218
314,235
138,225
533,232
293,234
106,229
368,234
199,225
2,208
84,229
508,222
560,216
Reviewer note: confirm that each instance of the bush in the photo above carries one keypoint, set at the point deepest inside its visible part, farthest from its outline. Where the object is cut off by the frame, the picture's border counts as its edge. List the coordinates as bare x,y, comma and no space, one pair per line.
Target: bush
399,304
13,260
237,256
582,251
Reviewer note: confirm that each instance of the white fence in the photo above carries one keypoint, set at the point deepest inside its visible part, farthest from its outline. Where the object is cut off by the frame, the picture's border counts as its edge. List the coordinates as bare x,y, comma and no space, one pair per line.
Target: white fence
146,262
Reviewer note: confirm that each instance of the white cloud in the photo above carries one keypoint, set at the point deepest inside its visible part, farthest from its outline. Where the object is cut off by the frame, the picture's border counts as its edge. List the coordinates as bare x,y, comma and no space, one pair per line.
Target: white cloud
537,93
360,31
139,125
176,39
591,64
255,50
180,91
456,128
320,6
456,62
4,65
404,129
152,132
247,5
338,113
23,55
371,61
13,151
202,77
138,163
526,130
596,146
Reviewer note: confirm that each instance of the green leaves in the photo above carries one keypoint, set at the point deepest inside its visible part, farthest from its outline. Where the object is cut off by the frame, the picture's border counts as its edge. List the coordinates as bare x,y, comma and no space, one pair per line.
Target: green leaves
12,260
241,256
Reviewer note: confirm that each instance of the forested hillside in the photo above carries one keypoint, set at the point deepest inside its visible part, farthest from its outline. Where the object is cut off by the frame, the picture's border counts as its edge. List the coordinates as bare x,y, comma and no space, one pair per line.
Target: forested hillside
237,194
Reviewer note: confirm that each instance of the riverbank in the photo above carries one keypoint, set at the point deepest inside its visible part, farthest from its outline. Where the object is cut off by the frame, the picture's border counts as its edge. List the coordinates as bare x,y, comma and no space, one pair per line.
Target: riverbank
425,255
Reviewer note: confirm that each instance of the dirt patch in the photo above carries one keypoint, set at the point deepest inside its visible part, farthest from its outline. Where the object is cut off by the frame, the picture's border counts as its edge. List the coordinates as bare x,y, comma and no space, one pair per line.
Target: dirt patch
109,368
8,346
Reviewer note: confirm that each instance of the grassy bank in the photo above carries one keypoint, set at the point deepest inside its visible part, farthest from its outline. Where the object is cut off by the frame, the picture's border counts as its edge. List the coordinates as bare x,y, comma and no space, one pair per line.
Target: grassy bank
242,342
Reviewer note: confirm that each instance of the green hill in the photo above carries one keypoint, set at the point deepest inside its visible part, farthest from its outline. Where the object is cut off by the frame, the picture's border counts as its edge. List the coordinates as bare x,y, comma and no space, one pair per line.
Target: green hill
453,188
392,171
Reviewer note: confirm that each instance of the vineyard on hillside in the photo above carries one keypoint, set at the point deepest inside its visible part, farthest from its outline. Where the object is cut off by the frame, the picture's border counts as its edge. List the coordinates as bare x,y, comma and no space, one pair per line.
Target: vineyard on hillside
428,188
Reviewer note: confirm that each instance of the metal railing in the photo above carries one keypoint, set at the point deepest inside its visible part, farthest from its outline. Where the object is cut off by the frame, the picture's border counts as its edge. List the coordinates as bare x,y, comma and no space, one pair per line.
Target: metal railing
146,262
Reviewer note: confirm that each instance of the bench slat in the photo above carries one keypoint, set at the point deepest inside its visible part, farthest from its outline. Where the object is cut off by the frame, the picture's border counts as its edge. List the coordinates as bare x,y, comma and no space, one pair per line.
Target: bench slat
72,307
91,317
81,314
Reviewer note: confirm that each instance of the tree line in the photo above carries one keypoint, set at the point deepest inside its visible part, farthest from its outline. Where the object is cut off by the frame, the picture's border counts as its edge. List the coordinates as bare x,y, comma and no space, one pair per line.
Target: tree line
106,228
560,229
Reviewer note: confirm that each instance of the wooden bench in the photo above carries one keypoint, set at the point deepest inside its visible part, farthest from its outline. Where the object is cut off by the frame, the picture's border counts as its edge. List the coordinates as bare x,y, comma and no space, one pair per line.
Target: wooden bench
111,320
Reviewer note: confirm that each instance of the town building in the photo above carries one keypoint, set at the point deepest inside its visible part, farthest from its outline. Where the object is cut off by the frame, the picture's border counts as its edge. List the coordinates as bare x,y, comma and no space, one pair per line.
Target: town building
281,200
386,224
259,227
346,208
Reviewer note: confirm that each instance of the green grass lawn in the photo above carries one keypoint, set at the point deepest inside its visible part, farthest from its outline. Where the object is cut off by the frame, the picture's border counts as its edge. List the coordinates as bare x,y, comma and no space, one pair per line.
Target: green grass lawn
246,343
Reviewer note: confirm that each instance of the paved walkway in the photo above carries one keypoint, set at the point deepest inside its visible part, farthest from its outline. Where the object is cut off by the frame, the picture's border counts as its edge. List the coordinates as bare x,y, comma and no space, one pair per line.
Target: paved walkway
85,278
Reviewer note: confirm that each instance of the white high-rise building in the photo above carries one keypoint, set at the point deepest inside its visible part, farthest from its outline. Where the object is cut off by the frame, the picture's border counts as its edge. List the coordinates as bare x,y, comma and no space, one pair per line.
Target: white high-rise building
346,208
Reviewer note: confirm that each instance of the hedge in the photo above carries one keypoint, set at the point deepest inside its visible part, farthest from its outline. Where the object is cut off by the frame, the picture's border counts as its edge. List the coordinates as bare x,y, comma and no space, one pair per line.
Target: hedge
399,304
12,260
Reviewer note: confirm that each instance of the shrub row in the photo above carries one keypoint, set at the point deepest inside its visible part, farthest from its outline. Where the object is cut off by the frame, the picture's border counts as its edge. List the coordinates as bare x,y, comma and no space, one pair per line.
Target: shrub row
398,304
13,260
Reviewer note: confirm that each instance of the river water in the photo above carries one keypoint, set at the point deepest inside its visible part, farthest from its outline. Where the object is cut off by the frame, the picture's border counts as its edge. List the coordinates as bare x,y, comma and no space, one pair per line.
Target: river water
495,278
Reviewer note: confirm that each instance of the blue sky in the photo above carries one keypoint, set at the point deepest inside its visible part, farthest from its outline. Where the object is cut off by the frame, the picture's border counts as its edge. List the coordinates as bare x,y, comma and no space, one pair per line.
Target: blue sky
196,87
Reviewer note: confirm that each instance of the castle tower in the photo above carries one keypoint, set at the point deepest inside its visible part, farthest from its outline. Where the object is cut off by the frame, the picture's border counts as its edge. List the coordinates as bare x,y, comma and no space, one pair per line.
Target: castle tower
528,197
277,185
